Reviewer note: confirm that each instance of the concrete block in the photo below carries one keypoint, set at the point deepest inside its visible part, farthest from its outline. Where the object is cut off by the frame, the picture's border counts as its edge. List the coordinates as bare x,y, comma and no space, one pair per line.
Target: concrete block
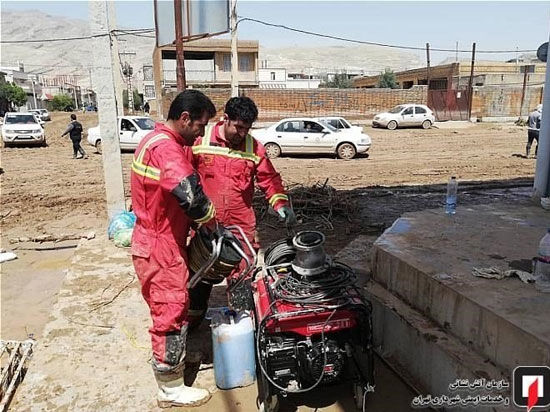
424,354
426,259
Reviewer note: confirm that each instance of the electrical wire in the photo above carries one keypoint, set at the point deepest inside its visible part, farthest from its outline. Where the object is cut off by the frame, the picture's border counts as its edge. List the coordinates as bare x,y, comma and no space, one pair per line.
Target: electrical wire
141,33
260,362
131,32
394,46
330,288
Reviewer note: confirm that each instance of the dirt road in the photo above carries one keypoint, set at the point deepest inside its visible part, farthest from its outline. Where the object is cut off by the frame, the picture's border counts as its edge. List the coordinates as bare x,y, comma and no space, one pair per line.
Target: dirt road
46,190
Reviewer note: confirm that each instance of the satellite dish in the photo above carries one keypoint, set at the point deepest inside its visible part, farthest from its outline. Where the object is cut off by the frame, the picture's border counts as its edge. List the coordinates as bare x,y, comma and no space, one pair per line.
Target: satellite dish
542,52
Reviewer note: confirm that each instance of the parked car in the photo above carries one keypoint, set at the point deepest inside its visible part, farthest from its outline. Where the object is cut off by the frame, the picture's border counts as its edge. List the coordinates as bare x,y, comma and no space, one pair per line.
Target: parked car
43,114
340,123
309,135
22,128
405,115
39,119
131,129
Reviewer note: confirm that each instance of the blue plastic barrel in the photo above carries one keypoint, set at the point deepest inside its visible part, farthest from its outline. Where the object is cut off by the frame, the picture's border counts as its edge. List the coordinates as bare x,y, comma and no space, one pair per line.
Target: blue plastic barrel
233,347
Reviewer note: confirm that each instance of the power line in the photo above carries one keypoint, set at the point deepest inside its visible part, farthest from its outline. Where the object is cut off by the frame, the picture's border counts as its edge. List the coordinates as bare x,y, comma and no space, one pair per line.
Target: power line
394,46
129,32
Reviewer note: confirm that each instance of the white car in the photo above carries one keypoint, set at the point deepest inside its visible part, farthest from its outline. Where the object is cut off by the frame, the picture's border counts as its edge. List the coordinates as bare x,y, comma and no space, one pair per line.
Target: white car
309,135
22,128
340,123
405,115
43,114
131,129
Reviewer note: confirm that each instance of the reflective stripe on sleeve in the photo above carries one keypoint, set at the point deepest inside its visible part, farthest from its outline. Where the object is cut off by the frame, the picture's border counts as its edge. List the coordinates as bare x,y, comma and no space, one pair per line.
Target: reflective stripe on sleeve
209,214
276,197
142,169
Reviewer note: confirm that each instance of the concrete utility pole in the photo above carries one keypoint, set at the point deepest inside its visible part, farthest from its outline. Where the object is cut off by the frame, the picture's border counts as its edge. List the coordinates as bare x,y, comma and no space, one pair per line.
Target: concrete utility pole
542,177
428,77
117,72
103,77
234,50
34,92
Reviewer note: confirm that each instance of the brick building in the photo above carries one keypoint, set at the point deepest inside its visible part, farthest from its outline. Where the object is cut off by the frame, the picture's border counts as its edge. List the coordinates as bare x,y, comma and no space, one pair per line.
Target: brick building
457,75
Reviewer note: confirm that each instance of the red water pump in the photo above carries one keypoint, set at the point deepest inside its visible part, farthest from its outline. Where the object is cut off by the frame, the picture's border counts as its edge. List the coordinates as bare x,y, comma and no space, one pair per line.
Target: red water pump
313,326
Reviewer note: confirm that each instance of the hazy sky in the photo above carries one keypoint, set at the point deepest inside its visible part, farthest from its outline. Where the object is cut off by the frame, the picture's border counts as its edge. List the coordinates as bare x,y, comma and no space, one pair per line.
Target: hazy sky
492,25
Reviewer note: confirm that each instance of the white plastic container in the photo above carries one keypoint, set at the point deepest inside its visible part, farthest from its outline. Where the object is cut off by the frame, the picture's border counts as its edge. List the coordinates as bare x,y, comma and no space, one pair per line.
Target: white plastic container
233,347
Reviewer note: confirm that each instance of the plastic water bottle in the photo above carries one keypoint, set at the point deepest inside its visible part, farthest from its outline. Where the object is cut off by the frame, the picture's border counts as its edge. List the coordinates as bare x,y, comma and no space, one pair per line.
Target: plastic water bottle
450,202
542,264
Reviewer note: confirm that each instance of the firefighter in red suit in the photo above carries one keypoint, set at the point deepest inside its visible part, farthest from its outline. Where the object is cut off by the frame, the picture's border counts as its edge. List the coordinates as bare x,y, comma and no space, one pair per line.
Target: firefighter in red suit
229,160
167,197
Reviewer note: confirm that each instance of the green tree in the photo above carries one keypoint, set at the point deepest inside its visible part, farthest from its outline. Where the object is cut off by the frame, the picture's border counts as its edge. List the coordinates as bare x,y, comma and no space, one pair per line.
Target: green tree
62,102
387,80
14,94
339,81
137,99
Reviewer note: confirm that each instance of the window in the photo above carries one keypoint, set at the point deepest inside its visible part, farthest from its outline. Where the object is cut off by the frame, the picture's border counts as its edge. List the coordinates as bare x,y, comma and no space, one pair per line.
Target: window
245,63
272,75
396,109
407,111
334,123
226,62
289,127
149,91
148,73
20,119
312,127
145,123
419,110
127,126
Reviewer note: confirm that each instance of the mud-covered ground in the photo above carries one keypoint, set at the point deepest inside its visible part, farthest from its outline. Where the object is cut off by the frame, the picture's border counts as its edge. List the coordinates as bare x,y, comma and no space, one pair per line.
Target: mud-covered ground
45,190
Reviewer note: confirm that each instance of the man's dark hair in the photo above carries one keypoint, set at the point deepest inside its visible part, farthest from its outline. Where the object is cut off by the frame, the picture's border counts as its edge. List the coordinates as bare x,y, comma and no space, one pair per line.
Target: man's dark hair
73,116
193,102
241,108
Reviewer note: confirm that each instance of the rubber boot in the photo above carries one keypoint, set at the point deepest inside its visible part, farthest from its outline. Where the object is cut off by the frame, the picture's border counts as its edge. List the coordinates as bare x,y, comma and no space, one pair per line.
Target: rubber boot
173,392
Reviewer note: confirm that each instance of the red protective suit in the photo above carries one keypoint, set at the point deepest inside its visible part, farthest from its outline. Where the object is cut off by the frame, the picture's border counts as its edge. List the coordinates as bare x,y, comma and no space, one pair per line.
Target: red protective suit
161,163
228,176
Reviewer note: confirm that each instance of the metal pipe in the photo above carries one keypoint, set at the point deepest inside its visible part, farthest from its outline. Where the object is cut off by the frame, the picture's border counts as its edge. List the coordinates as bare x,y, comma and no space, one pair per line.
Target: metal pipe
471,82
234,50
180,61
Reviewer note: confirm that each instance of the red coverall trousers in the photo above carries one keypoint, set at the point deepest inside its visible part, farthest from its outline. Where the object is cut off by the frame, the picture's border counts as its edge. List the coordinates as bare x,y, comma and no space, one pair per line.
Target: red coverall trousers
160,163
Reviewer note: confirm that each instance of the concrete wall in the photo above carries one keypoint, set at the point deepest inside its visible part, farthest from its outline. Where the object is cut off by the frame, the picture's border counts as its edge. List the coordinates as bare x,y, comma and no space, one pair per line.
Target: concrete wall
275,104
497,101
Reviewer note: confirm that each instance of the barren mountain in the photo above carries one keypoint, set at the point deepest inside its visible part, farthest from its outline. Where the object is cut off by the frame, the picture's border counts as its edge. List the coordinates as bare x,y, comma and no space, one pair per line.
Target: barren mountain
59,57
369,59
75,57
